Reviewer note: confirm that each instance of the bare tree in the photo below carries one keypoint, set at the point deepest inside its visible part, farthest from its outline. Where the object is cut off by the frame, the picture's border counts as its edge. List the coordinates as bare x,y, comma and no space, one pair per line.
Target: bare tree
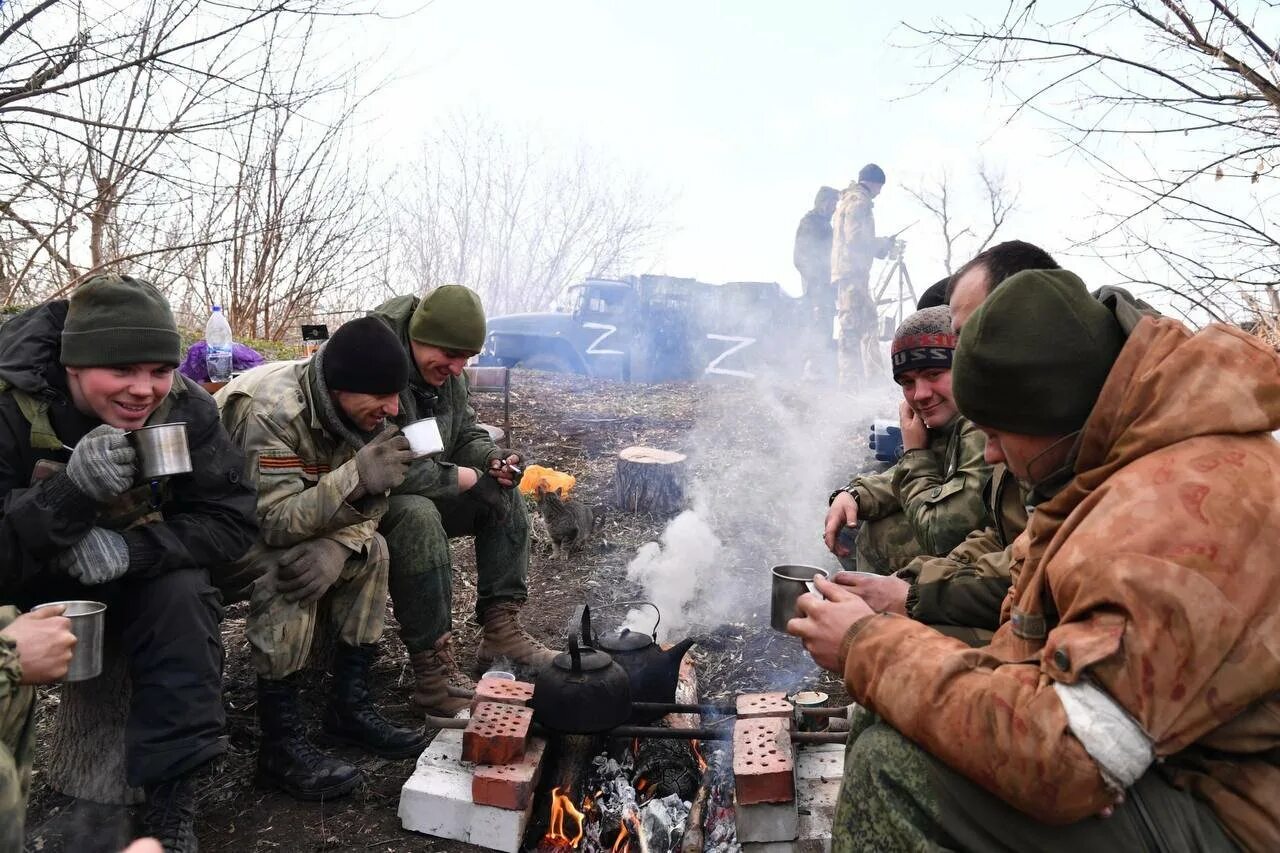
962,235
1175,101
516,220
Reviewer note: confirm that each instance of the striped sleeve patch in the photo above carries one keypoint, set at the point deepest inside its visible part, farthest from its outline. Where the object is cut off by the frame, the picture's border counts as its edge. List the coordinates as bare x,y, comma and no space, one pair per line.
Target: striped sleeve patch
283,464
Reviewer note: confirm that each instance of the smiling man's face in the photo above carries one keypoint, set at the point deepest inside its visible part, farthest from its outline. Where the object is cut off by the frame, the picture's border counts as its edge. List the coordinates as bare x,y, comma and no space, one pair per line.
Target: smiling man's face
123,396
928,391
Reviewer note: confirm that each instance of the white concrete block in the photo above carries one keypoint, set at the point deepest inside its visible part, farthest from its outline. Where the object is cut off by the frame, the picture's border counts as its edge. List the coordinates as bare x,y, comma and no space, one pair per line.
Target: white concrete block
436,800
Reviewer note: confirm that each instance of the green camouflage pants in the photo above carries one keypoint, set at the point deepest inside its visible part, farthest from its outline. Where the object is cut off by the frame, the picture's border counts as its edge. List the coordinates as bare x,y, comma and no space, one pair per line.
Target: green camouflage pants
886,545
418,531
17,742
858,344
895,796
280,632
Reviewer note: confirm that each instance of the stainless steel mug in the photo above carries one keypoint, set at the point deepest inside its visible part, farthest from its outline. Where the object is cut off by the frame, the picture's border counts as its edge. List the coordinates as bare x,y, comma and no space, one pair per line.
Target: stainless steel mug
789,583
162,450
87,619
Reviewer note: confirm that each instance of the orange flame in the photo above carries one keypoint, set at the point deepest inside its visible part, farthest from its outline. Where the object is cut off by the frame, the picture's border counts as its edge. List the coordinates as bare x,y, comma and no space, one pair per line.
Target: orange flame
556,835
621,844
697,753
641,784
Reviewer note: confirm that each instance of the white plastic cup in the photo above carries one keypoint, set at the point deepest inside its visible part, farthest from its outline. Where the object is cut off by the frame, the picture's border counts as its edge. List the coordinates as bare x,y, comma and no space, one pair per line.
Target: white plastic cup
424,437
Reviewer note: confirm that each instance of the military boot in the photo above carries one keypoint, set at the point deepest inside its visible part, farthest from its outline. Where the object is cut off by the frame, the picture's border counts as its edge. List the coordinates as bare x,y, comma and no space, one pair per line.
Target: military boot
352,716
170,814
433,672
286,759
505,637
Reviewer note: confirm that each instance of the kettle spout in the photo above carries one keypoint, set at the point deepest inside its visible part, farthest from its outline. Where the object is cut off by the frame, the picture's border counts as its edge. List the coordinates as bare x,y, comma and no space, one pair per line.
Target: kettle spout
676,653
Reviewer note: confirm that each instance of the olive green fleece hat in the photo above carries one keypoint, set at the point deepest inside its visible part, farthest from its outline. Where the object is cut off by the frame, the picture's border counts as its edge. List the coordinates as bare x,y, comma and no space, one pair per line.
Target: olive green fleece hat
116,319
1034,356
449,317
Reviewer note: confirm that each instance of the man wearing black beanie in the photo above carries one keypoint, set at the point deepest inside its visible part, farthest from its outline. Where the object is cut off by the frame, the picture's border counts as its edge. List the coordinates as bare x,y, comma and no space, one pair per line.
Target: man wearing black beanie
323,459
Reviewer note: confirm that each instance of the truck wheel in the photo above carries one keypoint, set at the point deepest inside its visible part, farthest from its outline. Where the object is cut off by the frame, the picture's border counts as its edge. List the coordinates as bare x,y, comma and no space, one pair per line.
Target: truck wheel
548,361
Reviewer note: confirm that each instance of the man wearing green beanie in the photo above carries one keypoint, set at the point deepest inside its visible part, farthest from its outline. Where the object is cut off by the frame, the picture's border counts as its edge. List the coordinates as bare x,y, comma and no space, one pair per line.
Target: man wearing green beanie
466,490
1127,700
79,523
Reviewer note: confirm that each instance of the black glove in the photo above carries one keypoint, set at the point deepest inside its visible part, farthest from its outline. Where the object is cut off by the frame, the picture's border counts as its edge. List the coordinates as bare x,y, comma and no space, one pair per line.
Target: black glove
103,464
500,466
308,569
384,461
490,492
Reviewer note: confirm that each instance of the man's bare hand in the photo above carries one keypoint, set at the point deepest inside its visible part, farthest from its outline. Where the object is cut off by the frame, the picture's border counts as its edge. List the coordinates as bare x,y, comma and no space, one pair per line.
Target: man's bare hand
843,513
45,644
884,594
915,435
822,624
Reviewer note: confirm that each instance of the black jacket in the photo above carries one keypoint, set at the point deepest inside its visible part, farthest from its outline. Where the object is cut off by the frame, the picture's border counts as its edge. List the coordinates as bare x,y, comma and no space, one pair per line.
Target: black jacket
208,515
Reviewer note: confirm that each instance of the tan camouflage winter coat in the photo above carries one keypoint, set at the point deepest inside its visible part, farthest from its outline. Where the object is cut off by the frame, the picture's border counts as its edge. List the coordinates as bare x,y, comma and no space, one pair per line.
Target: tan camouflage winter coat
854,244
1153,575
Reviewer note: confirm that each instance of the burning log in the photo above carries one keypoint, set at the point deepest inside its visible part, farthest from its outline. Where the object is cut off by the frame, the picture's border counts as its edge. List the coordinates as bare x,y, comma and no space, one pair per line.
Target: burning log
650,480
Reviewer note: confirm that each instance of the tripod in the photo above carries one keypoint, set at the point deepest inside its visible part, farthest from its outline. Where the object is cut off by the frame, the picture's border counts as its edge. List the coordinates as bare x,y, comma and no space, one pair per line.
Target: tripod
894,279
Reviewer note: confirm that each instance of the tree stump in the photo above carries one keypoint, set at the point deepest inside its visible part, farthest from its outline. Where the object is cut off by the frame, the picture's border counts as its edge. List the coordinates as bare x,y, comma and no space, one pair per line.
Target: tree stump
650,480
86,751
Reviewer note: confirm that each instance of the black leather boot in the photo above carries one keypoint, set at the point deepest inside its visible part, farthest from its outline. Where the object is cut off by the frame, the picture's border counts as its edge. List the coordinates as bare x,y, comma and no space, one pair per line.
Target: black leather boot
352,716
170,815
286,759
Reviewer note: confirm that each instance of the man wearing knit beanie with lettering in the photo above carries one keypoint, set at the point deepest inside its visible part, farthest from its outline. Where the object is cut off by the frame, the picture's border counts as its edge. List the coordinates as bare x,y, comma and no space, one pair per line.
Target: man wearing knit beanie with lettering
467,490
1128,699
79,523
931,499
323,457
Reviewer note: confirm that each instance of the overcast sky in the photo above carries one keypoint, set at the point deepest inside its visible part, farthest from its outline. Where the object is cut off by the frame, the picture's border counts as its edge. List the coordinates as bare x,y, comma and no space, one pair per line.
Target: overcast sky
742,110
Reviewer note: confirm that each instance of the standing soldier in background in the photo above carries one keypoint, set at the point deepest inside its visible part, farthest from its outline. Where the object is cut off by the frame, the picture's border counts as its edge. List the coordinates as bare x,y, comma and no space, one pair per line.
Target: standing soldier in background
854,248
812,257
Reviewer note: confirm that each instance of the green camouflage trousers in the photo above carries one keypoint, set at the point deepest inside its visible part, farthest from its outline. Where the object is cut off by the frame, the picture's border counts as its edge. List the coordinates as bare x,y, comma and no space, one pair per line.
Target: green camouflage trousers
17,742
885,545
418,531
896,797
280,632
858,344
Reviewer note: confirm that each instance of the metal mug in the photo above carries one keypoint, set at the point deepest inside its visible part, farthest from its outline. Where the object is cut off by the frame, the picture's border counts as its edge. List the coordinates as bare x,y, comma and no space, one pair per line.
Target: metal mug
87,619
808,699
424,437
162,450
500,675
789,583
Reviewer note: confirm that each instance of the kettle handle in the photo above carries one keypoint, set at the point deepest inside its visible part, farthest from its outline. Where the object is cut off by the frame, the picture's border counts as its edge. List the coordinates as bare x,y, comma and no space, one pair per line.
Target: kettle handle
579,629
575,656
654,632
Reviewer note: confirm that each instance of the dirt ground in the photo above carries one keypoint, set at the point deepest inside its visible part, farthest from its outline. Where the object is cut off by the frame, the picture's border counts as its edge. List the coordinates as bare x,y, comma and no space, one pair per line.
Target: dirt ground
569,423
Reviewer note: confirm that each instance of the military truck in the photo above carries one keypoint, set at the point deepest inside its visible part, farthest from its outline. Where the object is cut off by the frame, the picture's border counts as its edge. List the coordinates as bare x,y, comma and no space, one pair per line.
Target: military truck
652,328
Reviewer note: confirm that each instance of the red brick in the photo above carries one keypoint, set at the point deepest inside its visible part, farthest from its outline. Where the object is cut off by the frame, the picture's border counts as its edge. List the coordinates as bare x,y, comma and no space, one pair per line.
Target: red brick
496,733
753,706
509,786
764,768
502,691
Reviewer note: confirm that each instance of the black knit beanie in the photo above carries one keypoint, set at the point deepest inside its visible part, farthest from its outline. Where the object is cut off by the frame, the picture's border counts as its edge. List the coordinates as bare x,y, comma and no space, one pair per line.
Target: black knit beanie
871,174
115,319
1034,357
364,356
924,341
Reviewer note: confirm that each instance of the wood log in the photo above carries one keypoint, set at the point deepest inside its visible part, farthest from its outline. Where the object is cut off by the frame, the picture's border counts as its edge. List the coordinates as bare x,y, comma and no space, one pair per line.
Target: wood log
86,750
650,480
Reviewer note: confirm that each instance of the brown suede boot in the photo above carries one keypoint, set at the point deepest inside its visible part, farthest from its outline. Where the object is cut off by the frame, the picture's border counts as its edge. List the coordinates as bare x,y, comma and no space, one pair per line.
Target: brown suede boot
433,672
504,637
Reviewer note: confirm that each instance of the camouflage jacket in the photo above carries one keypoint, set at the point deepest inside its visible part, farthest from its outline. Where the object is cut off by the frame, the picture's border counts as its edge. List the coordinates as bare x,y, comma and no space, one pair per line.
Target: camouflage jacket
1148,582
466,443
938,488
854,245
297,457
812,254
968,585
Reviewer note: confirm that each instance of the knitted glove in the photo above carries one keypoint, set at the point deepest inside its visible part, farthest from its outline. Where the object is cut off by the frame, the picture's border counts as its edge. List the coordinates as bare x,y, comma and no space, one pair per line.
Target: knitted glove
308,569
489,492
384,461
99,557
103,463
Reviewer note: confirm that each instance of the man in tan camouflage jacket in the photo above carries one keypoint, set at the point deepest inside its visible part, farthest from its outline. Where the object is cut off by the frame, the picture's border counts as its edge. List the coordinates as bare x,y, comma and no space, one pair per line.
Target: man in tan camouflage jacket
323,460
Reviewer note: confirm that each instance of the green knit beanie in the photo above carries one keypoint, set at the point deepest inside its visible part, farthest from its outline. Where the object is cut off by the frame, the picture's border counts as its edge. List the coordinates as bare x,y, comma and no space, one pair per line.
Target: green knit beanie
1034,356
115,319
449,317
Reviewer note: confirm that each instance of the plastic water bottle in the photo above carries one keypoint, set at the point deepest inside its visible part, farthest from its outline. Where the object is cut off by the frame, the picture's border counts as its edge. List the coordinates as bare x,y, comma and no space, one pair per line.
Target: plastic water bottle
217,337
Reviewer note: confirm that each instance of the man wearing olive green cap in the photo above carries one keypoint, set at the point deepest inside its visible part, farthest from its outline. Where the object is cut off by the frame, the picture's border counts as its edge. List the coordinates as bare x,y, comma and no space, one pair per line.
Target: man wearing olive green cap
467,490
1128,700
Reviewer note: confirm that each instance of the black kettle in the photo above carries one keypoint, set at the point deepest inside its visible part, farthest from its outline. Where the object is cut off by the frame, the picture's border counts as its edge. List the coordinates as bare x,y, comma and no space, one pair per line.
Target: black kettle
583,691
652,672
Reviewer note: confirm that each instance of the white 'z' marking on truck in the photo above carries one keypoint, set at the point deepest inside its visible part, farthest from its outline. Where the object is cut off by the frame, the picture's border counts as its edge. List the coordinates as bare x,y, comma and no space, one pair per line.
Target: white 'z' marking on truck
738,344
608,330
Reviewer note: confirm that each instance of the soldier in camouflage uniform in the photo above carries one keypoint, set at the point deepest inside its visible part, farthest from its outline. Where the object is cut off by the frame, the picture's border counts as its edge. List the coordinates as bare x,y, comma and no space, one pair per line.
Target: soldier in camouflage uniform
1128,699
812,258
931,499
854,248
467,490
315,448
35,648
